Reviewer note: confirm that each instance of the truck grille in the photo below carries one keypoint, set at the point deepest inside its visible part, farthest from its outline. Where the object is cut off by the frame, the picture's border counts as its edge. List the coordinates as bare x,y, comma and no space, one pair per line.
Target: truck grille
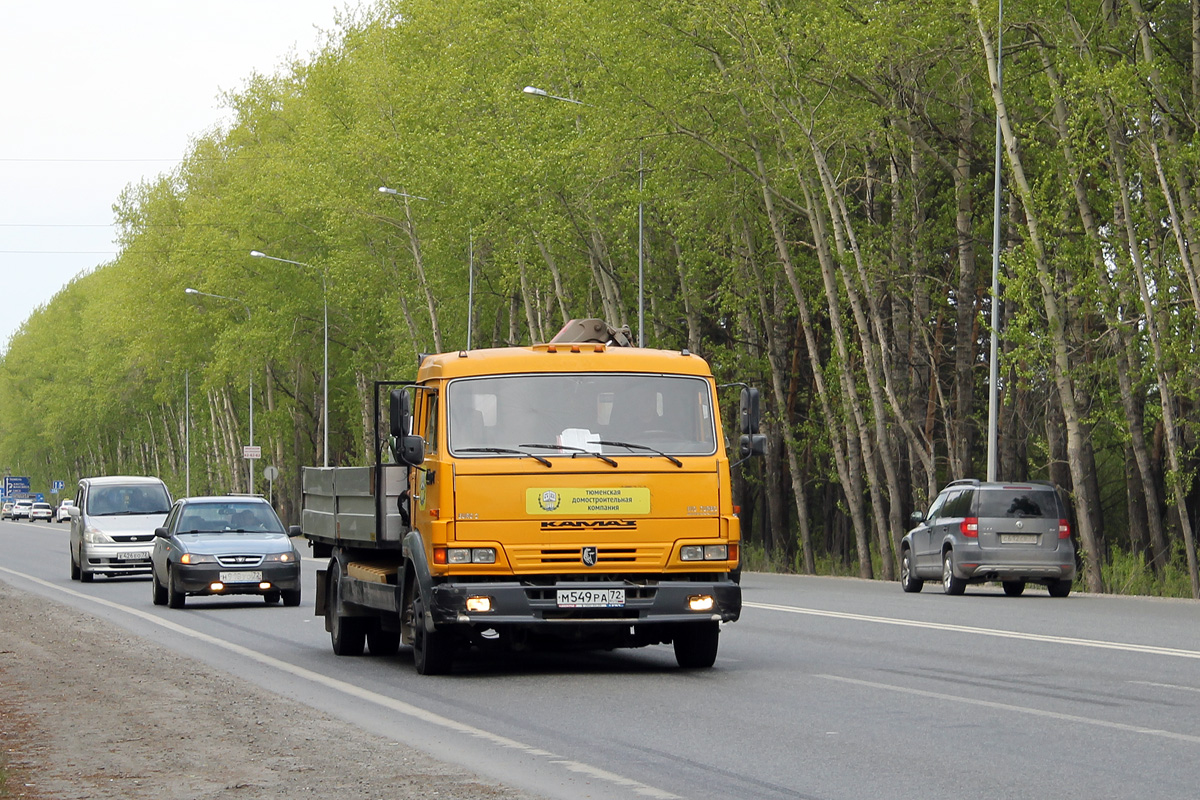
618,556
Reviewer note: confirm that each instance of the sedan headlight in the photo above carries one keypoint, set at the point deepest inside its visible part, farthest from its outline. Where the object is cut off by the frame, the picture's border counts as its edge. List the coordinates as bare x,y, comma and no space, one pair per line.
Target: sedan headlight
285,558
193,558
96,536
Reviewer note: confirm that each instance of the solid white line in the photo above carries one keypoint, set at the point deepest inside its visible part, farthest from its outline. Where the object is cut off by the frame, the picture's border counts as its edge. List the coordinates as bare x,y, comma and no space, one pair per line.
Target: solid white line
1036,712
352,690
1003,634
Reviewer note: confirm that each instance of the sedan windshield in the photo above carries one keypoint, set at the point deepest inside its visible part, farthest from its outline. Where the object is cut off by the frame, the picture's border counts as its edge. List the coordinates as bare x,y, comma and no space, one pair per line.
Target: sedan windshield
563,415
228,518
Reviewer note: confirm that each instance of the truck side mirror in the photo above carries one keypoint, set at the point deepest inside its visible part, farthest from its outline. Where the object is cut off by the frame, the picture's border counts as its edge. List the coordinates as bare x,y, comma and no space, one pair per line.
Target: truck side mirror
400,412
752,444
410,450
748,411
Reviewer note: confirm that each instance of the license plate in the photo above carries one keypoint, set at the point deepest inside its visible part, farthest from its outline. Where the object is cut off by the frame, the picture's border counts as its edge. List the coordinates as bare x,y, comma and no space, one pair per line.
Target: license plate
591,598
1018,538
241,577
133,555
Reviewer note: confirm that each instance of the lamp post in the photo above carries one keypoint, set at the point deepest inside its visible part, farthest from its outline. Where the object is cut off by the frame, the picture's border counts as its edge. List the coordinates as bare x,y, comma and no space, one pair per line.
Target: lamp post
536,92
325,375
249,461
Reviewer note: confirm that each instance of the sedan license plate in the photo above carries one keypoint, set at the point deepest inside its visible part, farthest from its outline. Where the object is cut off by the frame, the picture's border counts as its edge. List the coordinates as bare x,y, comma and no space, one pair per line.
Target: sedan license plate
591,598
241,577
133,555
1018,538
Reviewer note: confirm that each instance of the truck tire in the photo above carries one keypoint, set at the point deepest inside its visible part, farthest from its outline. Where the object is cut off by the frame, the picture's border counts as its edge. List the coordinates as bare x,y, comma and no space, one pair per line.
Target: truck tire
696,645
381,642
347,634
433,652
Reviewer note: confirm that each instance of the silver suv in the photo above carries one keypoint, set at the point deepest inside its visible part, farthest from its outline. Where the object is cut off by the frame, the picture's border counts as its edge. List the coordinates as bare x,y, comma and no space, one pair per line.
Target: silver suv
974,532
112,525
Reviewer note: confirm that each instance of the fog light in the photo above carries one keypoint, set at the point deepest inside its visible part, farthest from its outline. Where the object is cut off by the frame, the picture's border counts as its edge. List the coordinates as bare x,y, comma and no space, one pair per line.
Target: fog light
700,602
264,586
479,605
216,587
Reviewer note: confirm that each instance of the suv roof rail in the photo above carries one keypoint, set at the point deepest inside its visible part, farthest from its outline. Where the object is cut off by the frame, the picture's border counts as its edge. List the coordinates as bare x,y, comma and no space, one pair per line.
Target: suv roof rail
964,482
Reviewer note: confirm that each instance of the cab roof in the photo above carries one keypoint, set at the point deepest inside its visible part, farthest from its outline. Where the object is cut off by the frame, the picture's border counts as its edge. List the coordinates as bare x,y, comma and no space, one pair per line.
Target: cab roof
566,357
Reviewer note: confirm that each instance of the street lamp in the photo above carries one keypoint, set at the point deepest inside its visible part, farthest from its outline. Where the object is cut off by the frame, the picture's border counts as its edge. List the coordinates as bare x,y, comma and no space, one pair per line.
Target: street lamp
536,92
249,461
325,377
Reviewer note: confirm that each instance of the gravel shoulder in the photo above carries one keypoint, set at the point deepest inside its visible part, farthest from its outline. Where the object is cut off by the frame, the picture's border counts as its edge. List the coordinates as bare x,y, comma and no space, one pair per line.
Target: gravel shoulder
64,735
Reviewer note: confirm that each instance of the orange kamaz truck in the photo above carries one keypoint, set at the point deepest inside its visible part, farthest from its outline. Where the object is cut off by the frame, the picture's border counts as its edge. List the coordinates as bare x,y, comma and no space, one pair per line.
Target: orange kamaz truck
568,494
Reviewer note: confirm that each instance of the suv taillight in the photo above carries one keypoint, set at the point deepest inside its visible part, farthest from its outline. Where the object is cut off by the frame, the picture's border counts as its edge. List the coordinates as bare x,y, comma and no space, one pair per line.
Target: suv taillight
969,527
1064,529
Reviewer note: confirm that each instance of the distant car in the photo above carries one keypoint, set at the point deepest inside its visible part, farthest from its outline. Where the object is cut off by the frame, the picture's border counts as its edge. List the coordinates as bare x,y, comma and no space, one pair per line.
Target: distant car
41,511
64,511
112,525
21,509
6,513
231,545
1014,533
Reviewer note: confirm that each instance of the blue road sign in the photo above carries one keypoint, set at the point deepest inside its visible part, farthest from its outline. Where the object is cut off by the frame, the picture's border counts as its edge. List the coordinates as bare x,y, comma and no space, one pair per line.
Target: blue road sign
57,486
16,486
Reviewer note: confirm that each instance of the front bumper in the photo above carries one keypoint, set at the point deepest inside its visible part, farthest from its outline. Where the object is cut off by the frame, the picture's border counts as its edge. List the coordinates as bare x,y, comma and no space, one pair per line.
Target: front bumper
127,558
198,578
531,605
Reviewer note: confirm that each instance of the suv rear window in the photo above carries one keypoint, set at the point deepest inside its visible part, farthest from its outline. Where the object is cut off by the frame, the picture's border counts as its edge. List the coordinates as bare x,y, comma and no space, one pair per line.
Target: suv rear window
1018,503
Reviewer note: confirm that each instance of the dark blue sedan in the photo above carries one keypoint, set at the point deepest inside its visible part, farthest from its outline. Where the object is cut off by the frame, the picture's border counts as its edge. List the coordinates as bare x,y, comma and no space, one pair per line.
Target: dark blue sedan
228,545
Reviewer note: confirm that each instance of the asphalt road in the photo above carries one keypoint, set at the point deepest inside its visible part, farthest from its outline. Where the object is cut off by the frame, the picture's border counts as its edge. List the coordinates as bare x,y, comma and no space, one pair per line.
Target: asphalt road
826,688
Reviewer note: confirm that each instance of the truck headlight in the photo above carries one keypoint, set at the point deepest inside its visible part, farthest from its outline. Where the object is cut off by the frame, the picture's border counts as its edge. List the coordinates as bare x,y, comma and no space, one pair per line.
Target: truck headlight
704,552
468,555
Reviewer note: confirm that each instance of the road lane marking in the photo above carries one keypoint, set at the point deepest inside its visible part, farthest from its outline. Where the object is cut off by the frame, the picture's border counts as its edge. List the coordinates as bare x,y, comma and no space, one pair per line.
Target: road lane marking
399,706
1035,712
996,632
1165,686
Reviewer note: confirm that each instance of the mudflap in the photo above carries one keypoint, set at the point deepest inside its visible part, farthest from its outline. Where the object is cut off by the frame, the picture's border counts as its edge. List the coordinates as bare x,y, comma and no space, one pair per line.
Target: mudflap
321,607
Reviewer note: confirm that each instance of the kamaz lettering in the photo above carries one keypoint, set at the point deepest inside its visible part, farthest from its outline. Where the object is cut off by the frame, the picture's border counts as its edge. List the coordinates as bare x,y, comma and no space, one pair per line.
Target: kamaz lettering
590,524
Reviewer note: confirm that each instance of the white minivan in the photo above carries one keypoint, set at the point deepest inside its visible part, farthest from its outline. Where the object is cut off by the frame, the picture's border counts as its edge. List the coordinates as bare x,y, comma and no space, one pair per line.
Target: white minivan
112,525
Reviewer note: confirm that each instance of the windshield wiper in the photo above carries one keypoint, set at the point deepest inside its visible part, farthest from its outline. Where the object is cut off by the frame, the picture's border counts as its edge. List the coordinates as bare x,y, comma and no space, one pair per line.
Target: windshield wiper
542,459
574,451
633,446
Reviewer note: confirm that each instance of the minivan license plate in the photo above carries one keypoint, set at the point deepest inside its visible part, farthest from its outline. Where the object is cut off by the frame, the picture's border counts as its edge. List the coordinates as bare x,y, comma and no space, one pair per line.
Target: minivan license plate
133,555
591,598
1018,538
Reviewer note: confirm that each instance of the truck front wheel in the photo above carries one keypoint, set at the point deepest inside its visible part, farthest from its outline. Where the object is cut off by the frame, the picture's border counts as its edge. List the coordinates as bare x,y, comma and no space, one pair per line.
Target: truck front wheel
433,651
348,634
696,645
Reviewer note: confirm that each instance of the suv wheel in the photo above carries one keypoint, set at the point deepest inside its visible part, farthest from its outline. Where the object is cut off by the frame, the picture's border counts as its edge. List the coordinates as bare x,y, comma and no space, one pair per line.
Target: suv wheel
908,581
950,583
1059,588
1013,588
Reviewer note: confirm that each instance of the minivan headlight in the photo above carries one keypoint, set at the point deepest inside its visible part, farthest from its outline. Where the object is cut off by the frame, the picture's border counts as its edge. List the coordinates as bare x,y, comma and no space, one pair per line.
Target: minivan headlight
96,536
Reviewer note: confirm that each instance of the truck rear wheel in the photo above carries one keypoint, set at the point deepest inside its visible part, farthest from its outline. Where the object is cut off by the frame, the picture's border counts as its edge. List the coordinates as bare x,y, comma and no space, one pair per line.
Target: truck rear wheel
433,652
696,645
347,634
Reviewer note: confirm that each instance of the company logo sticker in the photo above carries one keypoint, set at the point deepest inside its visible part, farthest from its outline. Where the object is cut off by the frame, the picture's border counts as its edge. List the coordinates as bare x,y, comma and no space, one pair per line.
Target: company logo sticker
609,501
589,556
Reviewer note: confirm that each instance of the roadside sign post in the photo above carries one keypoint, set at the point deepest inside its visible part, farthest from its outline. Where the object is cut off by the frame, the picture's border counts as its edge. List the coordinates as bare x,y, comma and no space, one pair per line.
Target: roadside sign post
271,472
251,452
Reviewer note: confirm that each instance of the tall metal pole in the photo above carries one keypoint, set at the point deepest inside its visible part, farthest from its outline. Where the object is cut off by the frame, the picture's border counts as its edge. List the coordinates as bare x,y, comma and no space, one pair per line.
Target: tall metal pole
470,282
641,260
187,432
994,362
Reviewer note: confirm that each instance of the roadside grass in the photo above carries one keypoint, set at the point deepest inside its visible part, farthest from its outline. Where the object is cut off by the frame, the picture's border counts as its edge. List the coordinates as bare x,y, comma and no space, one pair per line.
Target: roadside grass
1124,573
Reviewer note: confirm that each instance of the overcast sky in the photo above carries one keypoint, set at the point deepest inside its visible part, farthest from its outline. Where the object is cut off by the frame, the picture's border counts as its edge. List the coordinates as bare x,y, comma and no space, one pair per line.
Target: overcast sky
98,96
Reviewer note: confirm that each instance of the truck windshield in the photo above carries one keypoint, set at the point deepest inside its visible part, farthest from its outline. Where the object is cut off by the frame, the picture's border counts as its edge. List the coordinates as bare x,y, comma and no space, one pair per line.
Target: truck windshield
571,412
